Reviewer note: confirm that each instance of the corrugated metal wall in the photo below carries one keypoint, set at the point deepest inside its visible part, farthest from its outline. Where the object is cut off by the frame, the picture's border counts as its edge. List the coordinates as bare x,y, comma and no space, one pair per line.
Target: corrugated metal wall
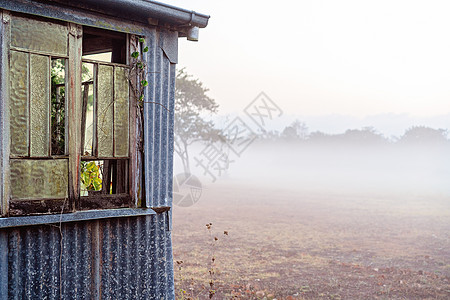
159,121
118,258
158,145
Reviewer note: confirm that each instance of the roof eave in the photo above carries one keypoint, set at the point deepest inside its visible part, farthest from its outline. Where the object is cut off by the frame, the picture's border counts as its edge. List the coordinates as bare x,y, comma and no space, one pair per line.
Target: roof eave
143,11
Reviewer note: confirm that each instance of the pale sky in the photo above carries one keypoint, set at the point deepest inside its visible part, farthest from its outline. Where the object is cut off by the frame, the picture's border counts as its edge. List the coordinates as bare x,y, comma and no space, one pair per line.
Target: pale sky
315,57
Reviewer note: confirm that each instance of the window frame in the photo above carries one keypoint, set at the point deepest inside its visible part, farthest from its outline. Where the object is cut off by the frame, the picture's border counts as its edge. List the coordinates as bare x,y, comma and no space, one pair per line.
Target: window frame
74,98
102,200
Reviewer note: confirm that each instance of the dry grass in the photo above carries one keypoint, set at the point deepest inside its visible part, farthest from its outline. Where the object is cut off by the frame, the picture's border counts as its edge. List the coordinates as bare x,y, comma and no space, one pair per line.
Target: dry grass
293,244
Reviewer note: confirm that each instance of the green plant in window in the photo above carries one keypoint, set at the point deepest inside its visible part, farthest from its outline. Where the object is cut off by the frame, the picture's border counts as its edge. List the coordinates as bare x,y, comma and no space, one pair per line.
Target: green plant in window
90,176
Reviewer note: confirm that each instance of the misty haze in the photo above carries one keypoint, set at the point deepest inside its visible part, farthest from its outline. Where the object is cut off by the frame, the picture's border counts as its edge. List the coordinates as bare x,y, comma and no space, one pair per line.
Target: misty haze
344,191
362,165
316,215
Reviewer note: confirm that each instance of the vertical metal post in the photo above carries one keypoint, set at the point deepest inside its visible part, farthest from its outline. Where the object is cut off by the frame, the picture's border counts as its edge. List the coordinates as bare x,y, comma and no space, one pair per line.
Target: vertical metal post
4,111
149,126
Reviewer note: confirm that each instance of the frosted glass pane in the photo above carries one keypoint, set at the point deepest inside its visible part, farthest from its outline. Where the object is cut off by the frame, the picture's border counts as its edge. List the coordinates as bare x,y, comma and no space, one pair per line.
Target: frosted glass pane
121,114
38,35
105,107
19,103
39,179
39,105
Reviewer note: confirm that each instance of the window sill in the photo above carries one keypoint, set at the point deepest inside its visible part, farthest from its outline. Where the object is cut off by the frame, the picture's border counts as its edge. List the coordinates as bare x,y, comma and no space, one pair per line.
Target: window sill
74,217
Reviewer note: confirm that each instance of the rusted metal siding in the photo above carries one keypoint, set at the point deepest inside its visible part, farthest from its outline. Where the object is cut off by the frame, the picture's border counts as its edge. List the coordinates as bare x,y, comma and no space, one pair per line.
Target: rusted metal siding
158,149
159,122
120,258
3,265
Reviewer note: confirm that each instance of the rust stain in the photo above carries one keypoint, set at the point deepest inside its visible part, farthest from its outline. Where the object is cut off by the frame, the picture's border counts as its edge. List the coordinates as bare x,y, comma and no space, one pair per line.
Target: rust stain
161,209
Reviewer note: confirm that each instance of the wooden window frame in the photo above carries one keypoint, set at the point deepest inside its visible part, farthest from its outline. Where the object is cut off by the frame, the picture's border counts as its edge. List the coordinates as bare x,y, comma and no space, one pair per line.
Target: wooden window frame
73,115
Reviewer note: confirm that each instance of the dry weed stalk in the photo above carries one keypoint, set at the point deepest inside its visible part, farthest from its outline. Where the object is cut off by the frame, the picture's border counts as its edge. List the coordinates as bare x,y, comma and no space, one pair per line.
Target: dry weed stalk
187,292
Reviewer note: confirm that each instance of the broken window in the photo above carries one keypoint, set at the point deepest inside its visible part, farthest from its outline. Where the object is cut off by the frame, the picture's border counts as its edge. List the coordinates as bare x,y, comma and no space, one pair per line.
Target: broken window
58,106
41,159
104,45
105,119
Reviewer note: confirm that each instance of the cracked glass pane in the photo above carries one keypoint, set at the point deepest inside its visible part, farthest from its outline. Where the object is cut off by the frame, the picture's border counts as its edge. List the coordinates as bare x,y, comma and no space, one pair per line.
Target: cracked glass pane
19,103
39,35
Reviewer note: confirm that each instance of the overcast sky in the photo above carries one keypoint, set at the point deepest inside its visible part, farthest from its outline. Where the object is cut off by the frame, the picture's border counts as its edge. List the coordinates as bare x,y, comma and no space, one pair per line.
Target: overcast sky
315,57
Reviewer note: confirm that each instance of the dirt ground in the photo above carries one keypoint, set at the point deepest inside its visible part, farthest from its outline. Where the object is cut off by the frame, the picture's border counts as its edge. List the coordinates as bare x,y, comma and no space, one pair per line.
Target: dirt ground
296,244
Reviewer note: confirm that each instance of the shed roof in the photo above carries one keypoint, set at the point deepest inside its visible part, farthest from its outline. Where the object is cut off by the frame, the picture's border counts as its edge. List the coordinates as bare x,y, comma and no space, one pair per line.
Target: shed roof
144,11
137,11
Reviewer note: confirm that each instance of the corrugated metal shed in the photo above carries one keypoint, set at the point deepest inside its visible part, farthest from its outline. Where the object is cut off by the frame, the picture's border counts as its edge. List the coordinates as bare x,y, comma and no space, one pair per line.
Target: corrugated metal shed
118,258
106,254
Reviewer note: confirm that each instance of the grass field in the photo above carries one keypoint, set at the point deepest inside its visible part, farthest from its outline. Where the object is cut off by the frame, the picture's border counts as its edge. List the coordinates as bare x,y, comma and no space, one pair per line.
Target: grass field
293,243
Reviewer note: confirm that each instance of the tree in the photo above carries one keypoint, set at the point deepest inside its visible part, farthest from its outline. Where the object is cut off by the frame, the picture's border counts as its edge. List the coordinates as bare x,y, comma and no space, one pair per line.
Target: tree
191,105
421,135
367,136
297,130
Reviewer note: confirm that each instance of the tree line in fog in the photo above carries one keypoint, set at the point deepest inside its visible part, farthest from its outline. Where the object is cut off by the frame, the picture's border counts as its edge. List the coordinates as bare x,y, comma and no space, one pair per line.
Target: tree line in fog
415,135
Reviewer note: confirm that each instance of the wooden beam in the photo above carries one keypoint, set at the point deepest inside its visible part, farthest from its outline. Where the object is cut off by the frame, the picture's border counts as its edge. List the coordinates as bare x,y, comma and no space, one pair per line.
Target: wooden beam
97,45
91,31
37,207
134,177
101,201
83,116
106,179
74,112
